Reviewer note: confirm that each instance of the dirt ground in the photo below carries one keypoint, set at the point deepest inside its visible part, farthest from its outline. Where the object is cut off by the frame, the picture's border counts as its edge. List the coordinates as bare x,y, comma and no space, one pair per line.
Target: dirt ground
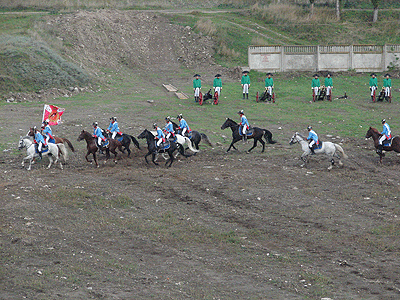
214,226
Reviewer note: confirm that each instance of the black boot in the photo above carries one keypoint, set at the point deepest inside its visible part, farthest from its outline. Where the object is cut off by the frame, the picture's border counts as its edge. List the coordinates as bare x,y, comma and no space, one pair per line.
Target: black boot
243,95
312,150
40,155
372,98
247,96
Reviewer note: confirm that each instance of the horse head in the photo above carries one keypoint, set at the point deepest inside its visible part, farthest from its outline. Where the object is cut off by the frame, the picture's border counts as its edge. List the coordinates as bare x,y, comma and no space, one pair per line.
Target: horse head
145,135
293,140
83,135
21,143
228,123
372,132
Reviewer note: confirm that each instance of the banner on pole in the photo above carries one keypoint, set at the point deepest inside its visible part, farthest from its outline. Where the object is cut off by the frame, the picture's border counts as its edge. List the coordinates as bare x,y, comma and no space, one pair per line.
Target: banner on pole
53,114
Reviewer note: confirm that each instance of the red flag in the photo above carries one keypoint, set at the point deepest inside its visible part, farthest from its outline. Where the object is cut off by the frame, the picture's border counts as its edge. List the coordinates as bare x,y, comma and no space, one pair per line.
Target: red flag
53,114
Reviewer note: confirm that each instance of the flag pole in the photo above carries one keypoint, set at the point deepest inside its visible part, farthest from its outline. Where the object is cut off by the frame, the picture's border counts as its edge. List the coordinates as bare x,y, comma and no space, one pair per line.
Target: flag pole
44,110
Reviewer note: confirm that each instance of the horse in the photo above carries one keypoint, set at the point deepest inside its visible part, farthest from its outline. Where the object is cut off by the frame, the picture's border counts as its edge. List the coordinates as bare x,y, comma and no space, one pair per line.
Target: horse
328,148
196,136
152,149
257,135
125,140
92,147
181,140
375,134
57,140
53,150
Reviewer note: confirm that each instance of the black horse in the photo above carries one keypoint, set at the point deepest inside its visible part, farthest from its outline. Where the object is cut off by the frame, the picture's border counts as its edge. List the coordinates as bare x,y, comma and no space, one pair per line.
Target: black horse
195,138
152,149
125,141
257,135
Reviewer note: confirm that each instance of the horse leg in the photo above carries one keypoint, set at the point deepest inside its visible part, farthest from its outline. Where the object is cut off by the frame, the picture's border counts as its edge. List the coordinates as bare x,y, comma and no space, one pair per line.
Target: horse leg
51,161
153,158
254,145
129,150
332,163
86,156
145,157
304,158
115,155
171,158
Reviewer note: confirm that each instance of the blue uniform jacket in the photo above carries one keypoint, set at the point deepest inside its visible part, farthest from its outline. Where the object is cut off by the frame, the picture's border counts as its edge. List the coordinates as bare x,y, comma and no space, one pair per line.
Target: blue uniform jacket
169,127
184,124
313,136
113,127
47,131
39,138
97,133
160,133
243,121
386,131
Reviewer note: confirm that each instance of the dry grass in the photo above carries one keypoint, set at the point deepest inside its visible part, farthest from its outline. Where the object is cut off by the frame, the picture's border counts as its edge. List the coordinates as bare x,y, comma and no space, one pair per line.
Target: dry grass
206,27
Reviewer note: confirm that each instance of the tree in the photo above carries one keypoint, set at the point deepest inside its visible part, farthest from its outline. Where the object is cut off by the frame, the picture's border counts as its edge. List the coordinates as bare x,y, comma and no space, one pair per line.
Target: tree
375,3
338,9
312,7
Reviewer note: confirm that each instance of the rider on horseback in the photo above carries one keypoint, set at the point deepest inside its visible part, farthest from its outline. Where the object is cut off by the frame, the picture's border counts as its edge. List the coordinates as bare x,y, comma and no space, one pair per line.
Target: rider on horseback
46,131
39,140
113,127
386,136
169,128
314,139
244,123
97,133
183,125
160,135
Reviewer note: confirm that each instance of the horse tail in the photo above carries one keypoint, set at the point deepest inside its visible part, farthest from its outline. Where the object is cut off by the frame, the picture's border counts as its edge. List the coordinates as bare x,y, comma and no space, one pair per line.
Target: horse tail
69,144
268,136
340,149
205,138
190,145
135,141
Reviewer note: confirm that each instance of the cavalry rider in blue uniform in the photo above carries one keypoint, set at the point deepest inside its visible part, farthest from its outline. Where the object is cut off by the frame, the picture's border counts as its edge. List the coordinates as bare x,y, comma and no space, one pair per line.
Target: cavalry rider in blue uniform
113,127
160,137
314,139
244,123
98,134
169,128
39,140
46,131
386,136
183,125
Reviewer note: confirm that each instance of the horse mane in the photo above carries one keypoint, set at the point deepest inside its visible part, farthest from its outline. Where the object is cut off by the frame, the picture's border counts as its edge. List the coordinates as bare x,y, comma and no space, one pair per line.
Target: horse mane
374,129
299,134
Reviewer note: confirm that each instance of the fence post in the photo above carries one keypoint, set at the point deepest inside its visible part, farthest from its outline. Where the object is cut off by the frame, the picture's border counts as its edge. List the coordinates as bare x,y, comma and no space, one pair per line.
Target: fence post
384,54
282,66
351,57
318,57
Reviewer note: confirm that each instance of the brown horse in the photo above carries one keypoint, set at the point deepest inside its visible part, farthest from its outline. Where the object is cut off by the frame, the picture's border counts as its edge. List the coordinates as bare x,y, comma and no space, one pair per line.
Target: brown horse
57,140
92,147
375,134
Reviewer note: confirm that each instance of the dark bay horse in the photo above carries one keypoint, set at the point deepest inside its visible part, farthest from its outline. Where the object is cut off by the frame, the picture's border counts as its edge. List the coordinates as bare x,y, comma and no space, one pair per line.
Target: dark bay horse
152,149
258,134
375,134
57,140
196,136
126,140
92,147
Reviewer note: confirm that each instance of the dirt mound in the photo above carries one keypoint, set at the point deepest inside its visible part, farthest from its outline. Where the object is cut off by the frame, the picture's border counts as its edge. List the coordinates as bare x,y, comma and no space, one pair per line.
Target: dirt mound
117,39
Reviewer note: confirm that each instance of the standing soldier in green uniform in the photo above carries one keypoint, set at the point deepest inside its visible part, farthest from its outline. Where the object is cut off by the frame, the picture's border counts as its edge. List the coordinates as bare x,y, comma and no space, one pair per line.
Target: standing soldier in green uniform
373,84
328,83
387,85
217,84
315,84
269,85
245,82
196,87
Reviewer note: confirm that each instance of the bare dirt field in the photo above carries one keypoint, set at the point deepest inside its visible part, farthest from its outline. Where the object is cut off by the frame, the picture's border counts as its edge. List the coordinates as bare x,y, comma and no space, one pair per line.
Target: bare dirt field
213,226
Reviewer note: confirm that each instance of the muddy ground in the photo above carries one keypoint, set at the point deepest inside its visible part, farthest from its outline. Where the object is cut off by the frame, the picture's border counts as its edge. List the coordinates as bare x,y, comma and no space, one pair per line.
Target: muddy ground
213,226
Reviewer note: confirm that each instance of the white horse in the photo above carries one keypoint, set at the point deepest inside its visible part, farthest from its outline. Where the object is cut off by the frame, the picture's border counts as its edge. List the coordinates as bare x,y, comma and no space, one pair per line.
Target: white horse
182,140
31,151
328,148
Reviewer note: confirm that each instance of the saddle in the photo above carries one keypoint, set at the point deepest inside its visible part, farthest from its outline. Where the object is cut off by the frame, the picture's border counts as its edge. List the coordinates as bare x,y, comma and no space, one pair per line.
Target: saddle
164,145
317,147
45,148
248,132
51,140
387,143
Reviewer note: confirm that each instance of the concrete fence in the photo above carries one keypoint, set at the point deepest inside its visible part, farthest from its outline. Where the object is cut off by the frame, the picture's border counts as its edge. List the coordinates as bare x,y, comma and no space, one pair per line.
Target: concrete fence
362,58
